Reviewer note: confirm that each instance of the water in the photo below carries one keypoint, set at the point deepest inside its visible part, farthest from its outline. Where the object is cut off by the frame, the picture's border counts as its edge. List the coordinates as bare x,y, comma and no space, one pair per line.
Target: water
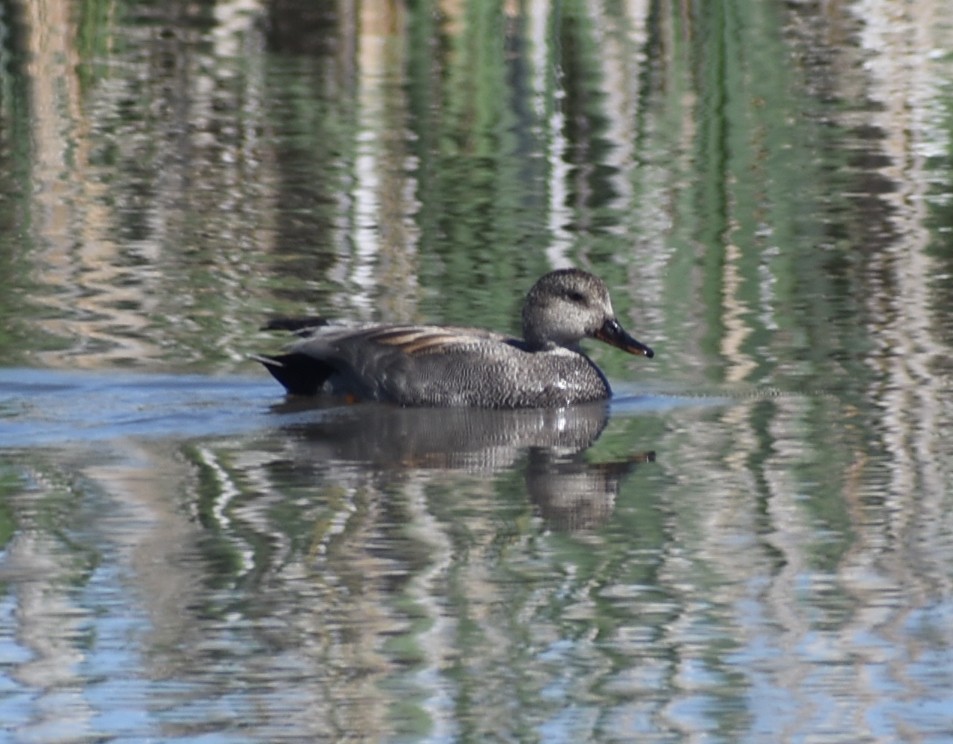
751,542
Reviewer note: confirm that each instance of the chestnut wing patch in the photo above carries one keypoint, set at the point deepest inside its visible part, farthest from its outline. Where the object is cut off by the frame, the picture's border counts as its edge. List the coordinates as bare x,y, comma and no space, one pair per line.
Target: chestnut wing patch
418,341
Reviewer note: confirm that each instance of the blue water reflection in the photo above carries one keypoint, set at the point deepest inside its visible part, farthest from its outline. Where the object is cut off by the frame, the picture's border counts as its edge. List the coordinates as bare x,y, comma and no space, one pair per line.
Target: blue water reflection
47,407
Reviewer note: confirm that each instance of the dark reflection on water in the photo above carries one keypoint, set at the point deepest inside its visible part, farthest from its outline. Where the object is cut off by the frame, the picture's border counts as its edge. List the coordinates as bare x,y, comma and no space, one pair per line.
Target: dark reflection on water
547,446
319,539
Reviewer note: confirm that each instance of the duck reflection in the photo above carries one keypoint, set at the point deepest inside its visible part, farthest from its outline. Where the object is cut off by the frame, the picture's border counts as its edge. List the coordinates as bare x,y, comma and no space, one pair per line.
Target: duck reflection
549,445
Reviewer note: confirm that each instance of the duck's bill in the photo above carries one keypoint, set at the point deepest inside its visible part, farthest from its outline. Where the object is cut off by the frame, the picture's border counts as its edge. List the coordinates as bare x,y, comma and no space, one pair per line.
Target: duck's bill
614,335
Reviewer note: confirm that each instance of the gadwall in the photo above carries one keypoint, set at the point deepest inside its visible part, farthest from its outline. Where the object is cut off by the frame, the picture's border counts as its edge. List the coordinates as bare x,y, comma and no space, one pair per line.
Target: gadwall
421,365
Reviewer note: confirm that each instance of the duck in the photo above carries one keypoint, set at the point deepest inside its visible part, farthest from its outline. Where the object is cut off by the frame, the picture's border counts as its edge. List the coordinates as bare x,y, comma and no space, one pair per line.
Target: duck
413,365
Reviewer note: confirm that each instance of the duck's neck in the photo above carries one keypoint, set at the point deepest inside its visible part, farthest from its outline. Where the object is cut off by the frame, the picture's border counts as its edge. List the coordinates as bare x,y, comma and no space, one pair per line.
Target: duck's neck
537,345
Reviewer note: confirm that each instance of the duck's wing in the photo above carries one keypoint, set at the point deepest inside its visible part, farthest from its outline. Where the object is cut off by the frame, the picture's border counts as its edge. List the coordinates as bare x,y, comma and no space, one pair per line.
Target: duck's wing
369,361
416,340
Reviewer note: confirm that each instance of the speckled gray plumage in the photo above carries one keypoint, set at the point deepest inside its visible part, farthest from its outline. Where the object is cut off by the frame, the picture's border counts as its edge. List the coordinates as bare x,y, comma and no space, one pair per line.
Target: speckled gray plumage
413,365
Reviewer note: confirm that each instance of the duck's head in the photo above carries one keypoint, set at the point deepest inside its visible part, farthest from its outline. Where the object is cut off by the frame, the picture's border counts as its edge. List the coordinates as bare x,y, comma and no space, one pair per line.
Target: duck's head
567,305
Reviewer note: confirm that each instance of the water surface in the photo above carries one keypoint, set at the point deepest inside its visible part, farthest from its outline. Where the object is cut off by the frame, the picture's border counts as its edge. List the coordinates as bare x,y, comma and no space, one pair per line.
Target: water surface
751,542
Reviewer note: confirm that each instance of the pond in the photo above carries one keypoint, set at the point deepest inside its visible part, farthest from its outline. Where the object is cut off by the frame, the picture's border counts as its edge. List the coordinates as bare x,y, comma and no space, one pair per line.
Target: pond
751,541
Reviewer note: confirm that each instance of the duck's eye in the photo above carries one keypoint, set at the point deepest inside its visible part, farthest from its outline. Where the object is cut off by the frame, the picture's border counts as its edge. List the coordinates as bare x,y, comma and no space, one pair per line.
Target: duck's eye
578,297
